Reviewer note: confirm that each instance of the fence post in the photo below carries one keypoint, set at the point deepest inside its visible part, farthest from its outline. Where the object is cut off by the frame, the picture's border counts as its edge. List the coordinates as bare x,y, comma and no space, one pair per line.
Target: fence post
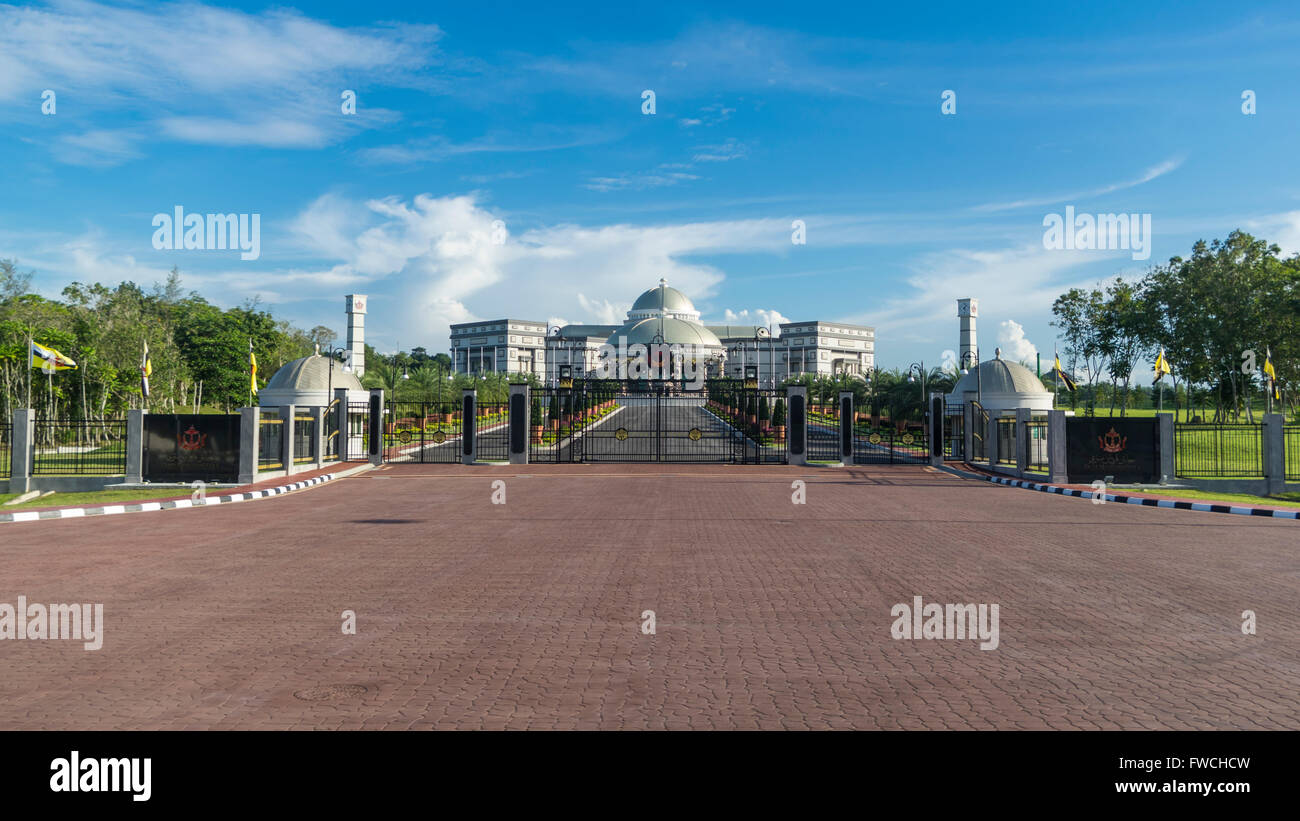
341,446
1056,471
468,425
1165,422
968,431
1273,442
250,429
846,427
135,446
22,441
518,414
318,435
796,399
378,426
1023,415
287,426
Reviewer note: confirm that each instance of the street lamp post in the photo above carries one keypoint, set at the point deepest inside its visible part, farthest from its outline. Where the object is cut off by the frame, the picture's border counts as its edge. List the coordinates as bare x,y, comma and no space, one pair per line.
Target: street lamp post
919,368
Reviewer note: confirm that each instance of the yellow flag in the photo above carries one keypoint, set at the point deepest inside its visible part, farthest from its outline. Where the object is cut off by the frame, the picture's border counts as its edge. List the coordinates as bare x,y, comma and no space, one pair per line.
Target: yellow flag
1162,365
252,368
1269,371
1060,375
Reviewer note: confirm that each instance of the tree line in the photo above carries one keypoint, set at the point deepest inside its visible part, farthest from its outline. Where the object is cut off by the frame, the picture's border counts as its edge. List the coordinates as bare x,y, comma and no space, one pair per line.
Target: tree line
199,352
1215,314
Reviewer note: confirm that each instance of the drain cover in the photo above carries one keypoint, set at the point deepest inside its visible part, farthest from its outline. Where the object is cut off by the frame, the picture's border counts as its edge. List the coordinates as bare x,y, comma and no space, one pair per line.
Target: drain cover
330,692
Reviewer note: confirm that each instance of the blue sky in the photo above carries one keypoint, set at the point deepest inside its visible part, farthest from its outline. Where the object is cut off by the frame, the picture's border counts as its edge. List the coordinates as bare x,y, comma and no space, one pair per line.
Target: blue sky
532,116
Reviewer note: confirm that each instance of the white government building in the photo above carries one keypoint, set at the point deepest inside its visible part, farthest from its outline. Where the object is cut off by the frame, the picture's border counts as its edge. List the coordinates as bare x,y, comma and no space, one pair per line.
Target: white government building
666,315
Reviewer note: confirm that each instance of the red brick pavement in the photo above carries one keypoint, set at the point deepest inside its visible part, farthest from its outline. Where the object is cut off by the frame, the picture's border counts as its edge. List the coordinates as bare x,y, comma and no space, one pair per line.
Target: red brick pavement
770,614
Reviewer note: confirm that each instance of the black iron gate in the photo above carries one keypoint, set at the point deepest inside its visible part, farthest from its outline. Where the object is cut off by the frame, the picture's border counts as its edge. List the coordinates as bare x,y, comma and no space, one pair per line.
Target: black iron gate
605,421
422,432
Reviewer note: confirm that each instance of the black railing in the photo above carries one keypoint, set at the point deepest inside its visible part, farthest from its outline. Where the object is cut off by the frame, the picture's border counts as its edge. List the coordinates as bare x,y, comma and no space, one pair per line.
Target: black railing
980,425
331,441
6,448
1006,441
1291,451
1218,450
304,439
1036,445
422,432
492,432
75,447
354,440
270,441
954,429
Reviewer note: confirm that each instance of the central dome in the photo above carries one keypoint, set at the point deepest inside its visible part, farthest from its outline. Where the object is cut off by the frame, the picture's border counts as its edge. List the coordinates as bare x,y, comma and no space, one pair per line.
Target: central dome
665,314
663,298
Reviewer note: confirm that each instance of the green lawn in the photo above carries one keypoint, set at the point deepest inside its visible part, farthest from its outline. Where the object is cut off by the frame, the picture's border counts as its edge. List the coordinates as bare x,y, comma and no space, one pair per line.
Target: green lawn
92,499
1281,500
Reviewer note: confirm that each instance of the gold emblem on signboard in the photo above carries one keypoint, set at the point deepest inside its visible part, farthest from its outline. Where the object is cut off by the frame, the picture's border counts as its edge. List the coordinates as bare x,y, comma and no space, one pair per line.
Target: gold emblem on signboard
439,437
694,434
620,434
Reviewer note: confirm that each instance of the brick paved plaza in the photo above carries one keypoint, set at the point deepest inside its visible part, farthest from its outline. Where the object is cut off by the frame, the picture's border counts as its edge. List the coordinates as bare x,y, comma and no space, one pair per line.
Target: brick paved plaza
769,614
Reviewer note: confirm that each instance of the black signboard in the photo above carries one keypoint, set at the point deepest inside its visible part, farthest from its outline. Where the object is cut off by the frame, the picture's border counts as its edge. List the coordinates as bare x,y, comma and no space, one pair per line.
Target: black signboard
1127,449
183,447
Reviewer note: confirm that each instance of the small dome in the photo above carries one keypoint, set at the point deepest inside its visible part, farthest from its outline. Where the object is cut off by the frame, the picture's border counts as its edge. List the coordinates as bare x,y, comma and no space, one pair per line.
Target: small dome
663,298
312,373
675,332
1000,376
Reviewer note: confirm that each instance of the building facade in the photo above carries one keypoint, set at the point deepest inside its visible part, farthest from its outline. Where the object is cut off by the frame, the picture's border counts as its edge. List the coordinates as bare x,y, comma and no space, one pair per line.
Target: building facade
666,315
499,346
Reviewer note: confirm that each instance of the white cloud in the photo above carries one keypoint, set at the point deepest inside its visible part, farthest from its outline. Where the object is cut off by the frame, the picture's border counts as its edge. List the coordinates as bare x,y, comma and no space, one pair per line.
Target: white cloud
204,74
759,316
1147,176
1015,347
440,265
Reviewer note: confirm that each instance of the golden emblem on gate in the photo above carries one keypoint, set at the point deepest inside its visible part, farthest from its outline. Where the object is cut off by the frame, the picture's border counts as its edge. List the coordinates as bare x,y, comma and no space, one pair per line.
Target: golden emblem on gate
874,439
907,438
620,434
439,437
694,434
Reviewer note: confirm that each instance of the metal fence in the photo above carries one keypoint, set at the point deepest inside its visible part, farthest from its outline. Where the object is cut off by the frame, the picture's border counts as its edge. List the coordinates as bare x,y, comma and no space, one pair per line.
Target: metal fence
331,441
354,445
422,432
979,424
76,447
1218,450
1291,451
823,444
1036,445
1006,441
6,448
304,439
954,433
270,440
492,432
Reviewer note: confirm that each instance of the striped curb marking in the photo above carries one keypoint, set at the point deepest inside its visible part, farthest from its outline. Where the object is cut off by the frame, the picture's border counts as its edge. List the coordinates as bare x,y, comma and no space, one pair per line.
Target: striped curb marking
1148,501
140,507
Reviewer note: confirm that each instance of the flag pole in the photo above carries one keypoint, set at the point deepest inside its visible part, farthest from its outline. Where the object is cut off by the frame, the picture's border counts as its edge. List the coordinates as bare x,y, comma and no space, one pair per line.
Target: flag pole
29,371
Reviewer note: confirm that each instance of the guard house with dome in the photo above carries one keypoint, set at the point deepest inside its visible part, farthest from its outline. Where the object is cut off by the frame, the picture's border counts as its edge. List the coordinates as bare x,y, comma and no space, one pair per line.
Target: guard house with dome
316,381
997,384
